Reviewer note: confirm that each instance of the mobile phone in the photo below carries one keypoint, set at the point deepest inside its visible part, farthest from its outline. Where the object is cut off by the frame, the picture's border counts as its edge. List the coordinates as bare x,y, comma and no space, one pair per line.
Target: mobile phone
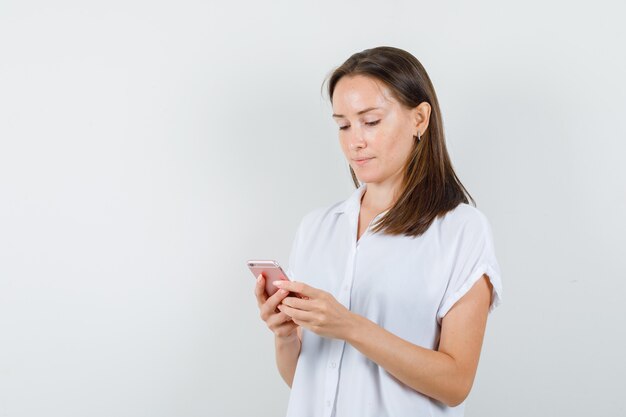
271,270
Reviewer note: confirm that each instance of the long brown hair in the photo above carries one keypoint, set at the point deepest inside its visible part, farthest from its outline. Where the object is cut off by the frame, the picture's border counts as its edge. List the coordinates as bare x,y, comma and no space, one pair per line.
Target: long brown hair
430,187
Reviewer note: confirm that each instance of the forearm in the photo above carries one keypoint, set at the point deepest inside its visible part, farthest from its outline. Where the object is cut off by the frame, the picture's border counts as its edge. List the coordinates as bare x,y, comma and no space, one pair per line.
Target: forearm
287,352
432,373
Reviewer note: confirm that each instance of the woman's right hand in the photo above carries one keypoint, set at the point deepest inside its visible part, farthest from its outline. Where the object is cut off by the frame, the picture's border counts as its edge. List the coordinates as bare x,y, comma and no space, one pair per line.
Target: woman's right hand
278,322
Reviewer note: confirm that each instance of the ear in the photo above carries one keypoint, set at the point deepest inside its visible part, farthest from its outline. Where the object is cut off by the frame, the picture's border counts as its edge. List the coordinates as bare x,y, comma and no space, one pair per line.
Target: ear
421,117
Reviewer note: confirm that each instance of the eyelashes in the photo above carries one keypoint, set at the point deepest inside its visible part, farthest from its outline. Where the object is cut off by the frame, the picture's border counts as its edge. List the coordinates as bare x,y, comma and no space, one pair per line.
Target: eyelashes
374,123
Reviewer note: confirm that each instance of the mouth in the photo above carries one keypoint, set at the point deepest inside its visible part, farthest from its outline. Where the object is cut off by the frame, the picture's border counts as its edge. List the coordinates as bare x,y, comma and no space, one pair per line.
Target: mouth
362,161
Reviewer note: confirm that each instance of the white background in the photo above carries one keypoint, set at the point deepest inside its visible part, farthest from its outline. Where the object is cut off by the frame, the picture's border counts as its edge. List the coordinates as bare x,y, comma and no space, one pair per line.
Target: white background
147,149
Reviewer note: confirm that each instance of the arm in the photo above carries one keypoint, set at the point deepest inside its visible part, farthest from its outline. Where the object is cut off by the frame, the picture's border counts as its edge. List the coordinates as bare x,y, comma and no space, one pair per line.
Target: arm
445,374
287,353
287,334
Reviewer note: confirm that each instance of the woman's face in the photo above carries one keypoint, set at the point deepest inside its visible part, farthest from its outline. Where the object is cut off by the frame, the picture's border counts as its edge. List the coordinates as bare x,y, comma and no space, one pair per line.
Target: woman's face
375,130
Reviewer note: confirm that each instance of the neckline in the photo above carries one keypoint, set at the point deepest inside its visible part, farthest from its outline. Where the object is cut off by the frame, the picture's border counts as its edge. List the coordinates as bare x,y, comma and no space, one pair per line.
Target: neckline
367,229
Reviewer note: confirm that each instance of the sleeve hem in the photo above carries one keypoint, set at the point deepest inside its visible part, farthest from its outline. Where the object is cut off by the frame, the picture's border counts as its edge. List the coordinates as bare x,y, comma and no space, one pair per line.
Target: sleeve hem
496,294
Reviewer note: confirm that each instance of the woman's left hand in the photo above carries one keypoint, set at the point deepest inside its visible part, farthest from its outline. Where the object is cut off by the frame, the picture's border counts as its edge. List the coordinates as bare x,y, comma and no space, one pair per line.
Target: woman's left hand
318,311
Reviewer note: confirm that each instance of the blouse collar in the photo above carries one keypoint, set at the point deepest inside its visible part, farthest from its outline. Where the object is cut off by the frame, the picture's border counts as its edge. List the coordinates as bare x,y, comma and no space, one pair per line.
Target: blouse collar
353,203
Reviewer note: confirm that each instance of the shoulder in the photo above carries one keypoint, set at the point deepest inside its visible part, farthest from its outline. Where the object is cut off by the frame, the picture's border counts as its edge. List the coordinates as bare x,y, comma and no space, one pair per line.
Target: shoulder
320,215
464,219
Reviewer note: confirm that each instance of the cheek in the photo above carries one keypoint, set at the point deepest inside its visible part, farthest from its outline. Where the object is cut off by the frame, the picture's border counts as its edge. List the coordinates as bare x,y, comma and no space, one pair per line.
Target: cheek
343,144
399,148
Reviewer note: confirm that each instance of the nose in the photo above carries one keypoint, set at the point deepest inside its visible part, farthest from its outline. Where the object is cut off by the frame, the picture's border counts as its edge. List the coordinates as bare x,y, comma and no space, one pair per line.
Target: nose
356,140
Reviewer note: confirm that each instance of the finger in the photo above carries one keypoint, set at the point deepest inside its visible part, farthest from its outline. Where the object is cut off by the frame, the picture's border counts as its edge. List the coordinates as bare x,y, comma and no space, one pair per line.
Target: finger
285,329
277,319
277,298
297,303
269,307
295,314
259,290
298,287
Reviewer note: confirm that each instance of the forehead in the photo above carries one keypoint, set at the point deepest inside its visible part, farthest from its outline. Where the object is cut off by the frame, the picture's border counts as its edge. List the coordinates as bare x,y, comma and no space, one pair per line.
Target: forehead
353,93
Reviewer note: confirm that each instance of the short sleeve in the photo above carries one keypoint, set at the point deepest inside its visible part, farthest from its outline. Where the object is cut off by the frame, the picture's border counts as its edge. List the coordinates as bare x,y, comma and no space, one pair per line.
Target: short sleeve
473,255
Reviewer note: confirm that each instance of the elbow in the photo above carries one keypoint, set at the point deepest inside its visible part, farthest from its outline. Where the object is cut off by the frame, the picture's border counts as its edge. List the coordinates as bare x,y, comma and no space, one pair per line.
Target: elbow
458,392
457,395
455,401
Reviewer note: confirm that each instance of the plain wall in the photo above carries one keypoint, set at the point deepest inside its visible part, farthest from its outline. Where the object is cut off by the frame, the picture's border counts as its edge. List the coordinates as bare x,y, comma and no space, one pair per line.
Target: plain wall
147,149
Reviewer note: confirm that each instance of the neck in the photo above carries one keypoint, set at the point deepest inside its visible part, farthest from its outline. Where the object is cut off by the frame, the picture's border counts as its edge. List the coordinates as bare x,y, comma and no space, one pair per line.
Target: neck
379,197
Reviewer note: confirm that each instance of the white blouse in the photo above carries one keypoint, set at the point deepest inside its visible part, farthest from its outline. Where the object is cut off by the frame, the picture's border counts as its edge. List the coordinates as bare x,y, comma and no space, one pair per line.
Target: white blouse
404,284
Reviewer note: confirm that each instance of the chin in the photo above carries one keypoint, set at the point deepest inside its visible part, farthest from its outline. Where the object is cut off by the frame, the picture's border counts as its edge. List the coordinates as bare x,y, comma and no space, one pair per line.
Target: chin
366,177
367,173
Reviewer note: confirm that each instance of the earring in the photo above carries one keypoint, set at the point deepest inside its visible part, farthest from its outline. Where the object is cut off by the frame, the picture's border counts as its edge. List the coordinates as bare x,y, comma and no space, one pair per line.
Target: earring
417,137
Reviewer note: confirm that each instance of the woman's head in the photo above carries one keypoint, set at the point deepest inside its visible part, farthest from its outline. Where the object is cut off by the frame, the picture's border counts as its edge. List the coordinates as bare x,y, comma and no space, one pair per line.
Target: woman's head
395,83
377,132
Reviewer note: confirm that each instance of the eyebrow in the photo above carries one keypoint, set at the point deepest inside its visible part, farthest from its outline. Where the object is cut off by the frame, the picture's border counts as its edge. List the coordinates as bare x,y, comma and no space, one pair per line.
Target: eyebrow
361,112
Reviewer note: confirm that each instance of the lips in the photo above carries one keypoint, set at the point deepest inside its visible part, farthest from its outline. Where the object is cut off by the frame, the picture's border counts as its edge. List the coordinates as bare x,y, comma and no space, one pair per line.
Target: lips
362,161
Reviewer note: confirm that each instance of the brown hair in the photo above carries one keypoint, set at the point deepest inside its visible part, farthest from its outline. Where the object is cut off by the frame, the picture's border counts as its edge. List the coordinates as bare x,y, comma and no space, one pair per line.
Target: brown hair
430,187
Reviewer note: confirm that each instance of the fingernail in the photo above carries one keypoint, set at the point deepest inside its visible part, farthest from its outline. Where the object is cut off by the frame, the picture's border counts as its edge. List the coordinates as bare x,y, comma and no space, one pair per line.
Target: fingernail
258,279
277,283
283,291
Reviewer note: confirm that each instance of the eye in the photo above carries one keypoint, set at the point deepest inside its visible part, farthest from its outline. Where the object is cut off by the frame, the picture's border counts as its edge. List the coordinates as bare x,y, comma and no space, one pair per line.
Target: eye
374,123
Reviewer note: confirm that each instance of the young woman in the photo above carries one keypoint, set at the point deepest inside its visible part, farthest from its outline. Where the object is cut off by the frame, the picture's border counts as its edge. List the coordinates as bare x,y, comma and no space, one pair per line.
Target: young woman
398,279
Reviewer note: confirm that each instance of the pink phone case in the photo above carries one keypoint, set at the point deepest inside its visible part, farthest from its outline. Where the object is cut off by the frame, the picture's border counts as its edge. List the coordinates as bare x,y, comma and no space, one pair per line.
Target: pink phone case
271,270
